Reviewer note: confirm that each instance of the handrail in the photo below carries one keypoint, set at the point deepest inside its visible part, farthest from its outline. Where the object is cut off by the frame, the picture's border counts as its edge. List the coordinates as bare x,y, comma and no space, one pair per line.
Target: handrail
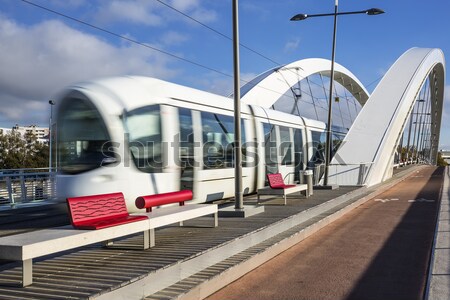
26,185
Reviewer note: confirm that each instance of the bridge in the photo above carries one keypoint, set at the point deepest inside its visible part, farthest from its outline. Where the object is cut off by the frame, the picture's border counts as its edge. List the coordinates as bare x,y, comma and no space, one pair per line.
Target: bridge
399,123
392,138
410,95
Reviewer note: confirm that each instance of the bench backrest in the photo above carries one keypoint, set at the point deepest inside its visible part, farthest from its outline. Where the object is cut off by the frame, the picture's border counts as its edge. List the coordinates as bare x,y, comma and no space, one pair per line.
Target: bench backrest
96,208
150,201
275,180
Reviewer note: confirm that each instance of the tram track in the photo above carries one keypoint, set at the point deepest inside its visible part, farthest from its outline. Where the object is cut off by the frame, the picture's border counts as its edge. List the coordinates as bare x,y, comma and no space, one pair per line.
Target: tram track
20,220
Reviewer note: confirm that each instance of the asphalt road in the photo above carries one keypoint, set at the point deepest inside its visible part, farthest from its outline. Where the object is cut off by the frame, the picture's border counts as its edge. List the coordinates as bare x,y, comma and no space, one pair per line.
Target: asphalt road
380,250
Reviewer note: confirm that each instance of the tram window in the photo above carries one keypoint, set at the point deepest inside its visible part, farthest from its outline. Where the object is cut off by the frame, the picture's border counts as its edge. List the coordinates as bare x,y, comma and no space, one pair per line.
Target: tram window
298,153
186,147
337,141
270,148
143,126
318,144
218,138
285,146
83,140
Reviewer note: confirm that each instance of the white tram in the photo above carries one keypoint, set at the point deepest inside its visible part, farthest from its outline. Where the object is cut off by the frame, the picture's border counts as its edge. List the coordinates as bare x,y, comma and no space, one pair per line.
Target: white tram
142,136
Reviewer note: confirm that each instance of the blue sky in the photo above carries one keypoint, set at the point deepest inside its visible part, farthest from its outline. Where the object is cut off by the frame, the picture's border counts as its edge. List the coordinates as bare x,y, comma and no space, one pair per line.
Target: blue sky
41,52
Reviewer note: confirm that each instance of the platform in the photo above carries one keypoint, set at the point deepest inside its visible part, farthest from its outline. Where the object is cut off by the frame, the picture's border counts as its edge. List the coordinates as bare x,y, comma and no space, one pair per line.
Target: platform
191,261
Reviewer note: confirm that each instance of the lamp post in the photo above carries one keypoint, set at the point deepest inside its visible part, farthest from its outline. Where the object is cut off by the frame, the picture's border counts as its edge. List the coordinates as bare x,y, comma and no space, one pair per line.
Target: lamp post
50,133
239,200
300,17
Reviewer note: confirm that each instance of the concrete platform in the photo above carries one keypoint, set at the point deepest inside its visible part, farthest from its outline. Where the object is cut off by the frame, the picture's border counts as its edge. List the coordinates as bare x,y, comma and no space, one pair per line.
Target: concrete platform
188,262
439,278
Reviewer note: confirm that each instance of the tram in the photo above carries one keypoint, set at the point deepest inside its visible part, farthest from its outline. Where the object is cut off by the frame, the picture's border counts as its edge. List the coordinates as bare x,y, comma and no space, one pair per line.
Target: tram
141,136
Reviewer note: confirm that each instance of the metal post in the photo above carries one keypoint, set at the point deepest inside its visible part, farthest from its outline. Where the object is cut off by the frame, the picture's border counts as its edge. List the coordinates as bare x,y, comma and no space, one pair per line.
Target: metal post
409,134
239,200
330,99
50,133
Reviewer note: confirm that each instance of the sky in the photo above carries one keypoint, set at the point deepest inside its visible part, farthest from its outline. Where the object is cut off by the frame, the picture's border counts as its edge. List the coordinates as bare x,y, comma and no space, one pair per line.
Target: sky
43,49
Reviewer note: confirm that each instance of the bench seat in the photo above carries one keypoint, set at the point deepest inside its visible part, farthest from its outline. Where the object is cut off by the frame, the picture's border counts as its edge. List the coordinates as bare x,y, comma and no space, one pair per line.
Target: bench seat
99,211
278,187
27,246
170,214
111,222
268,191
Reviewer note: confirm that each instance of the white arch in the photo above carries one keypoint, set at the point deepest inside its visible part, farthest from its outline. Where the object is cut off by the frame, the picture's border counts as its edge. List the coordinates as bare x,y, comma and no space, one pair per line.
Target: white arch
377,129
268,87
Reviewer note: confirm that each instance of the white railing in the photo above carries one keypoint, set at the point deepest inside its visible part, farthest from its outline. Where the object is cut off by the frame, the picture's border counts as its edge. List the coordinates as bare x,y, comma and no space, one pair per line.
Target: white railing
26,185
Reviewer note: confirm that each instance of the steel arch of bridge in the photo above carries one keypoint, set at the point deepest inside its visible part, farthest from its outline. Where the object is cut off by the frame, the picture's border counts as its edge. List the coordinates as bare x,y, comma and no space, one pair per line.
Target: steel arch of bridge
376,132
267,88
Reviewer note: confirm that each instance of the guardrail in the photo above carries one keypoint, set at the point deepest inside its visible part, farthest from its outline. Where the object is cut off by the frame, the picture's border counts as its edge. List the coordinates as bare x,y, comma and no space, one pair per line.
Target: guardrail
26,185
349,174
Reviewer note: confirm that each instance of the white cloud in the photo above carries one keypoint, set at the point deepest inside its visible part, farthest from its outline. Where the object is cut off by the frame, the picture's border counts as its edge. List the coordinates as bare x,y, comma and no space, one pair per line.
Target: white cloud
138,12
292,45
195,10
152,13
171,38
40,60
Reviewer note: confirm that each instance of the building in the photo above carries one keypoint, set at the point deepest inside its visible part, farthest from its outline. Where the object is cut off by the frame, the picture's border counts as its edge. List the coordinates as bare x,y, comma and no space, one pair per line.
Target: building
42,133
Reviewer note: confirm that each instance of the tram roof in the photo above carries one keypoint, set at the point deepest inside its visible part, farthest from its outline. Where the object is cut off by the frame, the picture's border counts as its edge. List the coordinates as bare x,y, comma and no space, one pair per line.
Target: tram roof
117,94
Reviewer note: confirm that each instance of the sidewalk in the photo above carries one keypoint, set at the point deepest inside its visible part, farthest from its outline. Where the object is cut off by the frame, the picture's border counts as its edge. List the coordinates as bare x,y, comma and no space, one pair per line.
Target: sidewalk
439,278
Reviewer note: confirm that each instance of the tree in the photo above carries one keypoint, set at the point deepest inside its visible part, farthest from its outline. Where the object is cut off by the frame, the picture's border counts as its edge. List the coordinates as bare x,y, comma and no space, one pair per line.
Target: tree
17,152
440,161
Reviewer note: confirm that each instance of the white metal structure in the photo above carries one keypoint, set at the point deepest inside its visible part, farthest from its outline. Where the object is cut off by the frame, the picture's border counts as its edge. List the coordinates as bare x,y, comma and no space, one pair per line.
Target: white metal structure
144,136
267,88
377,130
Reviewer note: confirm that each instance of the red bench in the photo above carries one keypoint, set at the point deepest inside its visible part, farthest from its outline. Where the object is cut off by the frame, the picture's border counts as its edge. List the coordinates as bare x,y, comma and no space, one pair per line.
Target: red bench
278,187
105,212
276,181
99,211
173,214
150,201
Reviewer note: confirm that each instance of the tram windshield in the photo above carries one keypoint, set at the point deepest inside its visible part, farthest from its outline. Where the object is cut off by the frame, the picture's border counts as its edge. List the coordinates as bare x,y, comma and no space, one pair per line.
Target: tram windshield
83,140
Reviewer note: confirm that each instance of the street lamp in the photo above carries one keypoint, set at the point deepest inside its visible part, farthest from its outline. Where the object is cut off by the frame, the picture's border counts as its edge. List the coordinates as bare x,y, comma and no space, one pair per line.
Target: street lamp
50,133
300,17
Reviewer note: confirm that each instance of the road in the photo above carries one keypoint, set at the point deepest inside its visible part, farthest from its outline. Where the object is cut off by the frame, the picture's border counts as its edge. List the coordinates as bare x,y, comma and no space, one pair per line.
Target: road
380,250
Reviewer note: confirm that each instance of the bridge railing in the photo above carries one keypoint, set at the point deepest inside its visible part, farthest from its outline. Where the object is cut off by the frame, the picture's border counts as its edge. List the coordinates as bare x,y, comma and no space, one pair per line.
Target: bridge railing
26,185
349,174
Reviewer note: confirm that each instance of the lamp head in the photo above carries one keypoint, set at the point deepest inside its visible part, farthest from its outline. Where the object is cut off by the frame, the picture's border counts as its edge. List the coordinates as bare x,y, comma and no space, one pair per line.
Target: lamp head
374,11
299,17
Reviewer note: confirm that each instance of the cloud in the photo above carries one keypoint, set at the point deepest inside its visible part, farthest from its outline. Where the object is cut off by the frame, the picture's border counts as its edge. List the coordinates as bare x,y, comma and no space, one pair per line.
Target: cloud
220,85
171,38
39,60
152,13
292,45
195,10
137,12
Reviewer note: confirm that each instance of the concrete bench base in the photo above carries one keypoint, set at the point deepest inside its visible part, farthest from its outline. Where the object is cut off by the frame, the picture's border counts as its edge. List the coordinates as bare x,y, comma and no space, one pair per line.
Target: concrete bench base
268,191
26,246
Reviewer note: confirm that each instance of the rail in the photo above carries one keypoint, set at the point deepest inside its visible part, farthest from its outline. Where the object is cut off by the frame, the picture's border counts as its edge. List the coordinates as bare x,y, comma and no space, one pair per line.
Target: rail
18,186
349,174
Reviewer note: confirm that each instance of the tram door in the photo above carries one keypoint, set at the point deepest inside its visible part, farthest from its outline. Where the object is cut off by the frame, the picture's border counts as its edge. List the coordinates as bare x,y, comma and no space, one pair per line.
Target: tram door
186,149
286,159
280,153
